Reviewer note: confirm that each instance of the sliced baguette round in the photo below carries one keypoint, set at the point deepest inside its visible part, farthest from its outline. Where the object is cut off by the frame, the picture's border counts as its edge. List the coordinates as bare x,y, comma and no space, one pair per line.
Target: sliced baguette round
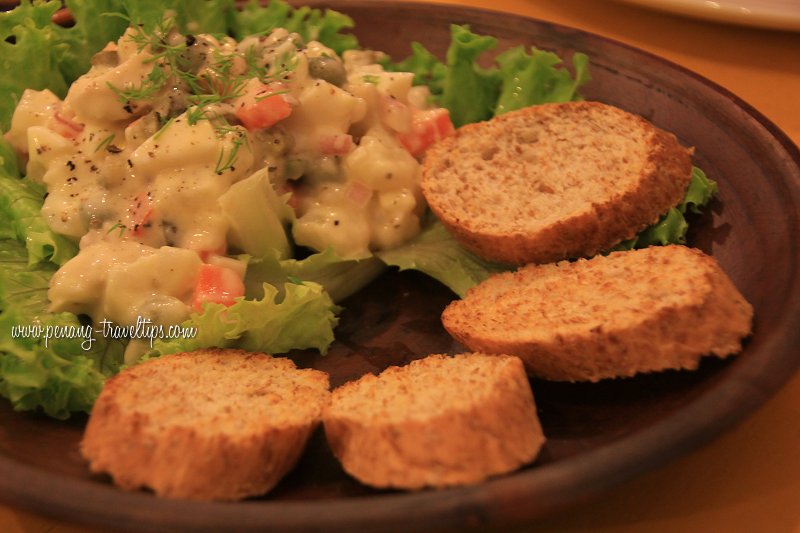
205,425
554,181
640,311
437,422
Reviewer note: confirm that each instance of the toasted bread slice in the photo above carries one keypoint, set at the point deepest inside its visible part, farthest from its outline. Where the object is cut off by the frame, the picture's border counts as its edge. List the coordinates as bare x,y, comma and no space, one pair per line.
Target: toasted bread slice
554,181
206,425
640,311
437,422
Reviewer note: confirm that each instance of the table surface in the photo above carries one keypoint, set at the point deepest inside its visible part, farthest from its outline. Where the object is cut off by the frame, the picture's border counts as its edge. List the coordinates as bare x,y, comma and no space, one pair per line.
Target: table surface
749,478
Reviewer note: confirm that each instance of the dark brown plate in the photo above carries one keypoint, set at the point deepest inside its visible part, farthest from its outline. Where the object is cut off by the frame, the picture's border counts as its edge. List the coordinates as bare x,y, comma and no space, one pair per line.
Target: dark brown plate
598,434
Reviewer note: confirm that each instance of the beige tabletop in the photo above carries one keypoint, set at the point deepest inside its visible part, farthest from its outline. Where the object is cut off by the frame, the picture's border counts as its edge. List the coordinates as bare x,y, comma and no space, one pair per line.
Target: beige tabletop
749,478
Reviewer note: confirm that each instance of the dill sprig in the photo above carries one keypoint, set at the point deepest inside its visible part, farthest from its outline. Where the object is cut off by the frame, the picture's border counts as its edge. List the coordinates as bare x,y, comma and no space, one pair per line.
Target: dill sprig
118,226
164,128
105,142
218,81
152,84
222,128
165,57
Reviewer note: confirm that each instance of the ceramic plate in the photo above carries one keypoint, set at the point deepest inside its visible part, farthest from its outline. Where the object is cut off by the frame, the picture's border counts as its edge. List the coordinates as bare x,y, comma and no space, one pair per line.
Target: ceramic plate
598,434
774,14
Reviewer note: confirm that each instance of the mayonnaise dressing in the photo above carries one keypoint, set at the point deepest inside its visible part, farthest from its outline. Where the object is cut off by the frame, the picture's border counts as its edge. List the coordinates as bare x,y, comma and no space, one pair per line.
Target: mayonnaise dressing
138,155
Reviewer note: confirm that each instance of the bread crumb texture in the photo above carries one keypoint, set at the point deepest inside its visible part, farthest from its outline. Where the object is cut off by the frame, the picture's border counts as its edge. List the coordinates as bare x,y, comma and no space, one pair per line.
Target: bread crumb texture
206,425
554,181
611,316
437,422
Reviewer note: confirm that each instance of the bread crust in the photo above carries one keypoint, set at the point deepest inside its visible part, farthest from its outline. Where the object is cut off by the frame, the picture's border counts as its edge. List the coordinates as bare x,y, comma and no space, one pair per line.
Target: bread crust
466,444
617,216
182,461
712,322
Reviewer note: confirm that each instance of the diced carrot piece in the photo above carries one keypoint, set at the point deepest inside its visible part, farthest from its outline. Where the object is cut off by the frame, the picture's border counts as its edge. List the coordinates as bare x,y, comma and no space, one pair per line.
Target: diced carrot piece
216,284
262,109
427,127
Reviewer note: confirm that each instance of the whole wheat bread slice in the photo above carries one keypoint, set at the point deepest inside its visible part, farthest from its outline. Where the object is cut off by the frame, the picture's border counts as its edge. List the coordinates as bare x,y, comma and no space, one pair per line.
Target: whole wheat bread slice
437,422
641,311
554,181
206,425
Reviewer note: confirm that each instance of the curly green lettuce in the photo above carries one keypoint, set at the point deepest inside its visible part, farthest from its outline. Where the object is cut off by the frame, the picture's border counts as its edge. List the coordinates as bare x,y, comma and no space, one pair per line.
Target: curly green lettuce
37,370
326,27
671,228
20,215
436,253
303,316
472,93
339,277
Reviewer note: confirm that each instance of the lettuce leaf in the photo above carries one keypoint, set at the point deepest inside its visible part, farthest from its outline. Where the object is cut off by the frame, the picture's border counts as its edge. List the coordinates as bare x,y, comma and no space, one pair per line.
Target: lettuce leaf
535,79
9,164
671,228
303,318
191,16
56,375
93,29
701,190
28,54
425,66
436,253
21,219
473,93
469,91
339,277
311,24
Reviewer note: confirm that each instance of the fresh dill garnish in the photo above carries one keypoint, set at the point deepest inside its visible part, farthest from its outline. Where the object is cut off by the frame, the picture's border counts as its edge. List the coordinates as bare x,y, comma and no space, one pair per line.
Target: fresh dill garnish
251,59
221,77
286,64
165,58
163,128
267,94
118,226
105,142
199,111
222,129
153,83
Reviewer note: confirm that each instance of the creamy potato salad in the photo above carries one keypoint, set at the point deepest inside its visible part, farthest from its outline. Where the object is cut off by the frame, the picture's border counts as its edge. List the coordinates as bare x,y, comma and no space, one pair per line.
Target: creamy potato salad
175,153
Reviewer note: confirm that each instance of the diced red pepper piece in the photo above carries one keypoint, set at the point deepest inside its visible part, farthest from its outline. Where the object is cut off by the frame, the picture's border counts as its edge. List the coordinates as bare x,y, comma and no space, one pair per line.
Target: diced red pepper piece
427,127
217,284
66,127
338,144
141,212
358,193
206,255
